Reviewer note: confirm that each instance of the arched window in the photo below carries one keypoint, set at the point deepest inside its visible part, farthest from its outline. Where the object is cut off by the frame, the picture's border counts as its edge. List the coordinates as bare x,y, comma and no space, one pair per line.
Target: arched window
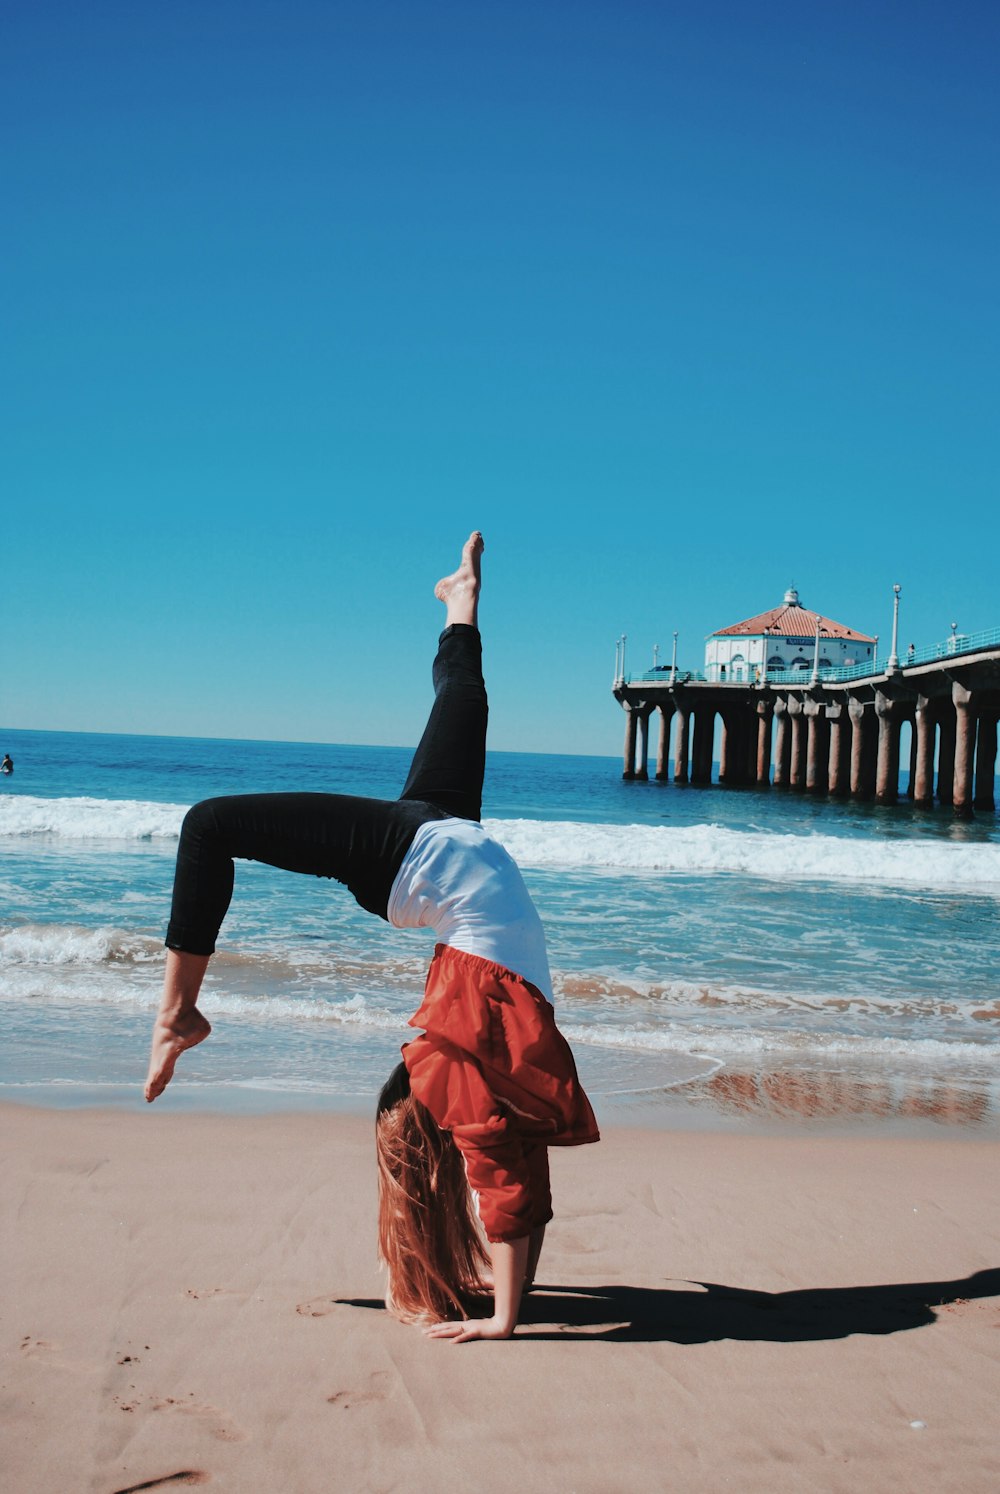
801,663
776,662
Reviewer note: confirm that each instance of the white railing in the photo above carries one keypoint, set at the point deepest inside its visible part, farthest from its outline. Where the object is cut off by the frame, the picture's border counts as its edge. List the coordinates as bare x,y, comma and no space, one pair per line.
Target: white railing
957,645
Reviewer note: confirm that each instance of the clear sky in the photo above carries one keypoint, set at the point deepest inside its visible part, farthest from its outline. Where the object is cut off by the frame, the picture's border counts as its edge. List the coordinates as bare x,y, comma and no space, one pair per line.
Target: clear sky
679,302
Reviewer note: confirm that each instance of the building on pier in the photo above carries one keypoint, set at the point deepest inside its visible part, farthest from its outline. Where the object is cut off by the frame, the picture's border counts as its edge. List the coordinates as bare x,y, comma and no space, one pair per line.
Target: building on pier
783,640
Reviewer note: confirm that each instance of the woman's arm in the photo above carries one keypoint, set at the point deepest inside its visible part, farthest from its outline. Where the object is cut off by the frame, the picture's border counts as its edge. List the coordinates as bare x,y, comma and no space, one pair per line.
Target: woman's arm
510,1258
535,1242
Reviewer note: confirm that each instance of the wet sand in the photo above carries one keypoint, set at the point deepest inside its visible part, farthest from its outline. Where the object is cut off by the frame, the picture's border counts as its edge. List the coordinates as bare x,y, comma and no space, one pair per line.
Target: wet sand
195,1300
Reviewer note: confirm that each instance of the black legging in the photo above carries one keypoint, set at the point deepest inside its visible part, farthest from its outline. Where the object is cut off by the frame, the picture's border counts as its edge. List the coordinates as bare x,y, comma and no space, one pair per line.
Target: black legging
360,842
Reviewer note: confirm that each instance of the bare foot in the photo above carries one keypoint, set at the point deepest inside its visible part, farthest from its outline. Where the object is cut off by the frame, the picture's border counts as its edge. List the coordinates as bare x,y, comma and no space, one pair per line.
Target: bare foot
170,1039
460,590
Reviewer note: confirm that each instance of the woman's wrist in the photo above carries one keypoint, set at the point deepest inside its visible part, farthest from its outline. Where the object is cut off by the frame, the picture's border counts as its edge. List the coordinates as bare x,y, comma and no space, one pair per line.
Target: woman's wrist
510,1257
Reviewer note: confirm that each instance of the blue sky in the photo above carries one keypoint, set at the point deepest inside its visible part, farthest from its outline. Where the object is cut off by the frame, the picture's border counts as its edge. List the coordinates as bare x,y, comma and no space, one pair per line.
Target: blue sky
678,302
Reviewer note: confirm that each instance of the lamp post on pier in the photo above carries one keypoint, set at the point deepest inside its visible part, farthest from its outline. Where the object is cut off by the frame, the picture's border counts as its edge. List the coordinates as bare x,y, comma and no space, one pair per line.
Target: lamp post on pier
673,662
892,663
656,656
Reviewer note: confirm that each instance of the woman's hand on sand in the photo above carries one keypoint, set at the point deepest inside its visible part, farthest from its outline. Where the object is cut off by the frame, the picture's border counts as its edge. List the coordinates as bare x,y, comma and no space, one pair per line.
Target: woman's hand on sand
510,1261
471,1328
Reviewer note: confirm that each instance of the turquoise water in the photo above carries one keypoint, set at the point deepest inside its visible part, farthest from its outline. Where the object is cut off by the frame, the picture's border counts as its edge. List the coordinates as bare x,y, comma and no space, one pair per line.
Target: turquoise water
749,948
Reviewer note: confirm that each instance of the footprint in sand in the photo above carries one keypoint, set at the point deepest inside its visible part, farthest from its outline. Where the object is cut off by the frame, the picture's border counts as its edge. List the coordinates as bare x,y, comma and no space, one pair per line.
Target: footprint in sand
197,1294
37,1348
225,1430
376,1390
319,1307
52,1354
186,1476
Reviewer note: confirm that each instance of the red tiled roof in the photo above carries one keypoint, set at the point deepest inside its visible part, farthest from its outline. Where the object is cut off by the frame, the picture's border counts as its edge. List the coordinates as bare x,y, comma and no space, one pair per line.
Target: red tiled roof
795,622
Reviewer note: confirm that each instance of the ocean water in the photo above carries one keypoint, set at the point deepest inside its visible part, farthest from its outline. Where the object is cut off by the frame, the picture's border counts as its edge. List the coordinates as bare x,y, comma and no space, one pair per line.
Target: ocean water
739,952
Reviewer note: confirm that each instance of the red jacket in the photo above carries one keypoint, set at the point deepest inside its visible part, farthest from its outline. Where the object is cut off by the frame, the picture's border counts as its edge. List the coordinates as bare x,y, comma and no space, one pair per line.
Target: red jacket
494,1070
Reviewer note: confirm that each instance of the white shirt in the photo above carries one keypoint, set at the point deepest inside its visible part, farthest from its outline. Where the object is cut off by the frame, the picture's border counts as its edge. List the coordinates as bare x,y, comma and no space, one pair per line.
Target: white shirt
459,882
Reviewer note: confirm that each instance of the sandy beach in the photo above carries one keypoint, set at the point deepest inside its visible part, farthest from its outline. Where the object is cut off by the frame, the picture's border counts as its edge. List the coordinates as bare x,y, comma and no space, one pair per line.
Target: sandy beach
195,1300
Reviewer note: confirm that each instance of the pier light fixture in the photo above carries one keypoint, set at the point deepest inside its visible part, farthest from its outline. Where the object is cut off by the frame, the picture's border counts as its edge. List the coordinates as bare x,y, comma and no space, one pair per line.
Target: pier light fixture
892,663
815,673
673,662
656,655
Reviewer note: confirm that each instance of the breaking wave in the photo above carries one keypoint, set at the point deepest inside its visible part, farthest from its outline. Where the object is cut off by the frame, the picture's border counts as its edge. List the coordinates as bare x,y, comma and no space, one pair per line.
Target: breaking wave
90,819
692,850
706,849
69,964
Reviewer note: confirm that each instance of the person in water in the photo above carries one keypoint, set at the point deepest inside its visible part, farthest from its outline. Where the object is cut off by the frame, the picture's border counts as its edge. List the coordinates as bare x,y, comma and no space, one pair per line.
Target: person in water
7,766
464,1123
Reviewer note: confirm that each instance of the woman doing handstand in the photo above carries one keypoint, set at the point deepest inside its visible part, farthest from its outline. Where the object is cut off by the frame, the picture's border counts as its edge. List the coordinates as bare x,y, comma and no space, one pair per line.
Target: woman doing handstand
490,1083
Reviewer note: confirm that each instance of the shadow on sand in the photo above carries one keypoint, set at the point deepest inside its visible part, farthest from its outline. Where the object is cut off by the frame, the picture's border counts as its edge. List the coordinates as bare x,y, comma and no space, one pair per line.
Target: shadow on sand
702,1312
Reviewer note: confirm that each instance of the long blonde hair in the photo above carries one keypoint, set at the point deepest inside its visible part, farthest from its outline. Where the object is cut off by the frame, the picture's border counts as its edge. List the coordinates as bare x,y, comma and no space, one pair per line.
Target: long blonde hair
428,1235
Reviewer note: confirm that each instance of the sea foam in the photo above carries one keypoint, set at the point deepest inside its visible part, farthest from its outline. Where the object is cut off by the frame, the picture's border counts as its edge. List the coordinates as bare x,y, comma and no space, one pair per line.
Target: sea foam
90,819
693,850
72,944
698,850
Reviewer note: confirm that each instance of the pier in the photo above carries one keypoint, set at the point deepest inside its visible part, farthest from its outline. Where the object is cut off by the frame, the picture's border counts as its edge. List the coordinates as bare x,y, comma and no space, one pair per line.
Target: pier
838,731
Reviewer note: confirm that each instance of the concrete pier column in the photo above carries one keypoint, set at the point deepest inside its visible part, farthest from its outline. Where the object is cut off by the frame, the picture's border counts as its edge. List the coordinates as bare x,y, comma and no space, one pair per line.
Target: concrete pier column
856,716
923,766
863,747
838,763
783,743
887,777
816,745
965,747
628,771
765,723
663,744
797,773
911,781
642,766
728,751
986,760
846,736
682,744
708,744
946,752
701,756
